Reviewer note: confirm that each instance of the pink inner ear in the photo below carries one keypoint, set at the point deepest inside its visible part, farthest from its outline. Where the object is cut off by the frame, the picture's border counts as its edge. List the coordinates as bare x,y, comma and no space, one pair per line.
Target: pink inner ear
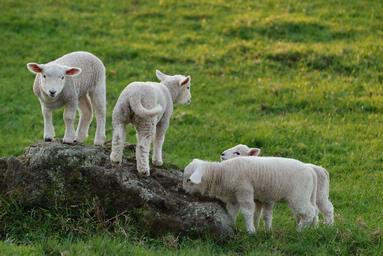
36,68
72,71
185,81
254,152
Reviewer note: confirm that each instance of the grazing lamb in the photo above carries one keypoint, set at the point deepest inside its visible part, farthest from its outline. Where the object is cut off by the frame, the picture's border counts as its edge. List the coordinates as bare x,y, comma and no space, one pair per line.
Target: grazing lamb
323,202
148,106
73,81
242,181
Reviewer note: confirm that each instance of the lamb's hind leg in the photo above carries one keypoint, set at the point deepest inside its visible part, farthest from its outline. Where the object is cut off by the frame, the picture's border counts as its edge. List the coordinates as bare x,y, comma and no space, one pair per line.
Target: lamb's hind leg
158,141
258,213
85,108
98,97
327,209
118,142
268,215
145,131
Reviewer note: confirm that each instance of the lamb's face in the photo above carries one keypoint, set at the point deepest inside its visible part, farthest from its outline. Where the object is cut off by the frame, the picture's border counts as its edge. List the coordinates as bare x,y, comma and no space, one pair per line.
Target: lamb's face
192,177
181,82
239,150
52,77
184,96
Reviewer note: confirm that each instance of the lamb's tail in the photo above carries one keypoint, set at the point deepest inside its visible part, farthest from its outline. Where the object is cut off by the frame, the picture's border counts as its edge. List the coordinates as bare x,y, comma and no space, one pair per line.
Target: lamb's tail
141,111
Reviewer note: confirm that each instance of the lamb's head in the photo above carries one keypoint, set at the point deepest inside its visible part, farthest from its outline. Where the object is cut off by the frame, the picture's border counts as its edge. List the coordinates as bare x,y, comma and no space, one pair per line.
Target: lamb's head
193,175
239,150
180,84
52,77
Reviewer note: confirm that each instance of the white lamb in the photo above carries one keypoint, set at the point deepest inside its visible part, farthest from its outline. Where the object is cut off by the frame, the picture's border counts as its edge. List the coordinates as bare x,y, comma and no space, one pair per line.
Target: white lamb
148,106
242,181
70,81
323,202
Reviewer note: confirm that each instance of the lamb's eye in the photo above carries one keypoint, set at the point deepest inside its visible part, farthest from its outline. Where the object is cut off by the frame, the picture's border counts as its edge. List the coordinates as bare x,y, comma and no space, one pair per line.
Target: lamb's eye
62,78
188,87
44,76
236,153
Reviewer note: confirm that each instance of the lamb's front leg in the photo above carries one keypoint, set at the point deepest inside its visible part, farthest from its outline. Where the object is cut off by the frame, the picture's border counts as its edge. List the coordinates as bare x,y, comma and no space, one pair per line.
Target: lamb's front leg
49,130
247,207
69,116
232,210
158,141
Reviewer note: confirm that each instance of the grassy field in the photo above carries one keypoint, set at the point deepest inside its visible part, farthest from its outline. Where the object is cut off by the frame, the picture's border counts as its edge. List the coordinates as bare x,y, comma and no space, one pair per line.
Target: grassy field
300,79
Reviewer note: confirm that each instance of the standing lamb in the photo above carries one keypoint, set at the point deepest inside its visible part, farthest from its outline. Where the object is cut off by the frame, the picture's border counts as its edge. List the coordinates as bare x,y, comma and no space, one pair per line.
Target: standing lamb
73,81
323,202
148,106
242,181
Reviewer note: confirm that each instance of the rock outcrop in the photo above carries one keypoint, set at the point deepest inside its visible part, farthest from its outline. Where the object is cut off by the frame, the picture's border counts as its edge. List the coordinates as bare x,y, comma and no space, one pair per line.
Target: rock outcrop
52,174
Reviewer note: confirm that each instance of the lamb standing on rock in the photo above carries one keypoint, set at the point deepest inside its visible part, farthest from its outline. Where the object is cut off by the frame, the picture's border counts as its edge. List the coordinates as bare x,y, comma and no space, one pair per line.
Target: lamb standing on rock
241,181
148,106
323,202
73,81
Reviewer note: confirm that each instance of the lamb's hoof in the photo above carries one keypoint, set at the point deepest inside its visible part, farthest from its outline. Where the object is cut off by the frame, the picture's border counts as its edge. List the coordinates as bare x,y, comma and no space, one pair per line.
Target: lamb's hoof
115,164
144,173
157,163
68,142
48,139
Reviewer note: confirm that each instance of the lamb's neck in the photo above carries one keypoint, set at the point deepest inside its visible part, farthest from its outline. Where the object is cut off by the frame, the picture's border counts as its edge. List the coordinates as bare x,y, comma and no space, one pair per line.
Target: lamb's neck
173,89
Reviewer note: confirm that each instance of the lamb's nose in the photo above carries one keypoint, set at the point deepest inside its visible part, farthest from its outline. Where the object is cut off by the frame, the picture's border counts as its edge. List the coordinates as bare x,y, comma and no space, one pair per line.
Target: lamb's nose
222,154
52,92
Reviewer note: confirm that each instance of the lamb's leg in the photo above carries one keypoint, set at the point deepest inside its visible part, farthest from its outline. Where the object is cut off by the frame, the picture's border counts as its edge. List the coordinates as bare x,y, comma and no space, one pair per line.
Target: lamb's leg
327,209
258,213
85,108
49,130
305,214
118,142
268,215
247,207
69,116
157,144
232,210
145,132
98,98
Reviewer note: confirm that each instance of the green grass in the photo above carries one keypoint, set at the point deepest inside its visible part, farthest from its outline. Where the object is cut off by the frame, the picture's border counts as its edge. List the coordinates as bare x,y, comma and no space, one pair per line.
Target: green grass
299,79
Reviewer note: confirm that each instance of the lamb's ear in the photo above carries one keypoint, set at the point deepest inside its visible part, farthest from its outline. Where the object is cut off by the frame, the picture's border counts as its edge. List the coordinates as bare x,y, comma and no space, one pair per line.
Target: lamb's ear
196,177
254,152
35,68
73,71
185,81
161,76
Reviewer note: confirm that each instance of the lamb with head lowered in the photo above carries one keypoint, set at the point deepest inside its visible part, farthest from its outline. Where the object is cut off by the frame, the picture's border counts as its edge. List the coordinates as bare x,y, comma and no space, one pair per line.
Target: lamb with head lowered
75,81
242,181
323,202
148,106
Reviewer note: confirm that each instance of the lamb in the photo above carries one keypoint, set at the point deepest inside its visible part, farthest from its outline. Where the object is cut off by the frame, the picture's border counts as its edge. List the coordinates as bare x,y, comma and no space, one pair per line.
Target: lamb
323,202
75,81
240,182
148,106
